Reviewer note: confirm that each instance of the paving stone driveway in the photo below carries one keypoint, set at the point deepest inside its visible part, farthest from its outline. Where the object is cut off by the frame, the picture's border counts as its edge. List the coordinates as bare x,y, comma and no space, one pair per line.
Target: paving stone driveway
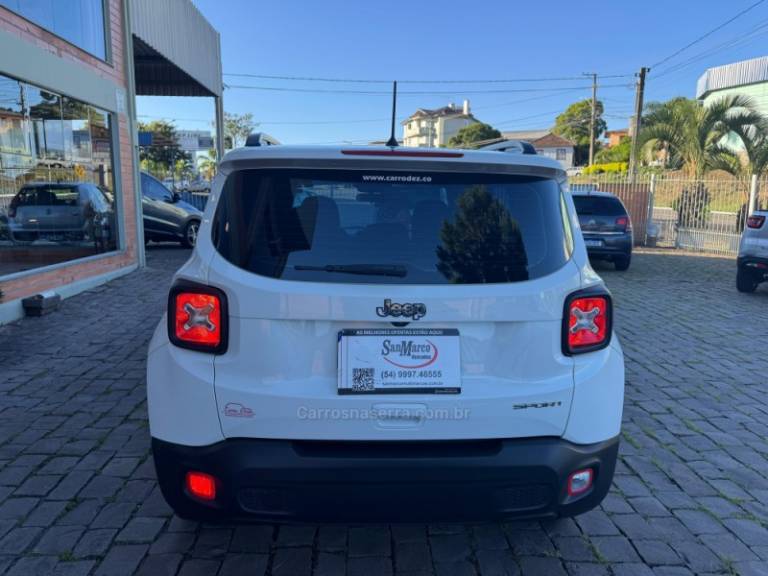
77,494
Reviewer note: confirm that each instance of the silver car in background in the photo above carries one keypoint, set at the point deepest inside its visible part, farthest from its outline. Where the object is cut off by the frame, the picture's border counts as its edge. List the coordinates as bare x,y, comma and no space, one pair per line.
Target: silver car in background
55,211
752,263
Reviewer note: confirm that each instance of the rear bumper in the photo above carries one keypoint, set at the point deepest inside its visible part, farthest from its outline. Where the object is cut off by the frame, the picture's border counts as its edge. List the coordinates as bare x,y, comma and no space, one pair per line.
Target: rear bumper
353,482
756,265
611,245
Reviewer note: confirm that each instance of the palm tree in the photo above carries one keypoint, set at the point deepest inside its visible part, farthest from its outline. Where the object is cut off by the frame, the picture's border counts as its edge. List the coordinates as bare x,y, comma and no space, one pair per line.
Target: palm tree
693,134
754,160
207,165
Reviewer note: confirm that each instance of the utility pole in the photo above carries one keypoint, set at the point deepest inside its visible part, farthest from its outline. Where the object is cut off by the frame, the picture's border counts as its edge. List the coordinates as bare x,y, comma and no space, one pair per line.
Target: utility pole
637,122
593,120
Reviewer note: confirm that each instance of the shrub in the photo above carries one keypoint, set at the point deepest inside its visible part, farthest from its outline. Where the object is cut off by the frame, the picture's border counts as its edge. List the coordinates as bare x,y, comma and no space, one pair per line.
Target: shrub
692,206
608,168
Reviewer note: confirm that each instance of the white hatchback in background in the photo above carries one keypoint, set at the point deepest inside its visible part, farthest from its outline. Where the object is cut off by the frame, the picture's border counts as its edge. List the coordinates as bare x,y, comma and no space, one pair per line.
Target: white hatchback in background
414,333
752,262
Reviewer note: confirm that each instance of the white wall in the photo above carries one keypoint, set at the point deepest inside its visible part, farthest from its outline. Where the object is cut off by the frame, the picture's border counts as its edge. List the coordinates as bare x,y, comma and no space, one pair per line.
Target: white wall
552,153
449,127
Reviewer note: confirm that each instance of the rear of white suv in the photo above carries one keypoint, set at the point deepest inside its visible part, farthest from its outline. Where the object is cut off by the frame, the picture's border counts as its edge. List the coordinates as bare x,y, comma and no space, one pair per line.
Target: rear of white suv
386,335
752,262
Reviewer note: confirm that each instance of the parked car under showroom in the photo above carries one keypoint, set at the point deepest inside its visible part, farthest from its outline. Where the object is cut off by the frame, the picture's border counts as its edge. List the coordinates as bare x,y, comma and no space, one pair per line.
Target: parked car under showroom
70,211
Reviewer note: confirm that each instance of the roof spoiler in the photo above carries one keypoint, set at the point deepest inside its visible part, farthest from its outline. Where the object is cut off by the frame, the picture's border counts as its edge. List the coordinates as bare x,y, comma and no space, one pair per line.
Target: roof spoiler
260,139
513,146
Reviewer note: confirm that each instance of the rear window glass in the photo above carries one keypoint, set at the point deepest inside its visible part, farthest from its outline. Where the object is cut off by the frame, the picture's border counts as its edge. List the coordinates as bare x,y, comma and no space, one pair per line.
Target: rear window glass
48,196
344,226
599,206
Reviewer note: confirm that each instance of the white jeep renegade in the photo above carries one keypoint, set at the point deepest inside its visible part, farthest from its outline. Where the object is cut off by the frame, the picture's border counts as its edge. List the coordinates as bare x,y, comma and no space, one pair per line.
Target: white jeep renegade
386,334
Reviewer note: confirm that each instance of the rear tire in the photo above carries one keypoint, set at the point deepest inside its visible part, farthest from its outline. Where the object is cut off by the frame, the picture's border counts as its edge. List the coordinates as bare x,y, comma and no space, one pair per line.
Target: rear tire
622,262
190,233
745,282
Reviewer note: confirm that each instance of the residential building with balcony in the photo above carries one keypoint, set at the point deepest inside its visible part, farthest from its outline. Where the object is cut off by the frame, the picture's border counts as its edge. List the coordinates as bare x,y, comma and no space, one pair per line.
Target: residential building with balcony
427,128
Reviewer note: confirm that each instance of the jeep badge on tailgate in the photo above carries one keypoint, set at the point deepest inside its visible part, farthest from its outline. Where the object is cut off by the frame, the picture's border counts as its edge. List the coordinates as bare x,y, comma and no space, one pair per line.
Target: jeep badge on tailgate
413,310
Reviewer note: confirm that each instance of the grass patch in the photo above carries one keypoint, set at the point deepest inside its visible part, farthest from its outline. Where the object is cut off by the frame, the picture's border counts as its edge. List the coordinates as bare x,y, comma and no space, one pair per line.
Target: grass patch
67,556
691,426
630,439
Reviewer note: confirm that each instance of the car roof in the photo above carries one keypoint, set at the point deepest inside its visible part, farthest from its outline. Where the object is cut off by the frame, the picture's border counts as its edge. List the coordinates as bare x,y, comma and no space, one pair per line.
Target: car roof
397,154
54,184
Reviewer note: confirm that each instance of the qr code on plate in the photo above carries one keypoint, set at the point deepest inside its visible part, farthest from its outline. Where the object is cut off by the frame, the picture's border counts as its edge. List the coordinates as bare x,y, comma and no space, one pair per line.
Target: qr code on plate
362,379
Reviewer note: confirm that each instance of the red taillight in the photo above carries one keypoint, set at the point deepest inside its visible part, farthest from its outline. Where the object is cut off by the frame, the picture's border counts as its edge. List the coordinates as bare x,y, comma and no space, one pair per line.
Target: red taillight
755,221
622,222
197,318
588,323
201,485
580,481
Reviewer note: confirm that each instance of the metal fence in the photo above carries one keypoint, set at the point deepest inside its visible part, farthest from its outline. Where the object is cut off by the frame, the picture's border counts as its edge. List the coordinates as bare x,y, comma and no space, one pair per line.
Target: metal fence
197,199
705,215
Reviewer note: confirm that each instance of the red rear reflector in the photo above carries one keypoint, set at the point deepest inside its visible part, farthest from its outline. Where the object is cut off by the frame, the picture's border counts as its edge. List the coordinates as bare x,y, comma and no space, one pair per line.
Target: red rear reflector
589,323
201,485
755,221
197,318
404,153
580,481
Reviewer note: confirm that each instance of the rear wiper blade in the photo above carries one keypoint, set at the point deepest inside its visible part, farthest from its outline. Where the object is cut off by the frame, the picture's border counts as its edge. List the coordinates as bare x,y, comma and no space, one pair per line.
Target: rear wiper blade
363,269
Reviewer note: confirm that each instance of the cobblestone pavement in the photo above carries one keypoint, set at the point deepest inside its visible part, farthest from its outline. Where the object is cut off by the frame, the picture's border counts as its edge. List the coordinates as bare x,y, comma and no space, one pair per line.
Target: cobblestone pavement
77,494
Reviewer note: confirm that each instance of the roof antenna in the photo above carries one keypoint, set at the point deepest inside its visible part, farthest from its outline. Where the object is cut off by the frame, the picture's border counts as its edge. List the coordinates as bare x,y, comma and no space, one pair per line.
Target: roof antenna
392,142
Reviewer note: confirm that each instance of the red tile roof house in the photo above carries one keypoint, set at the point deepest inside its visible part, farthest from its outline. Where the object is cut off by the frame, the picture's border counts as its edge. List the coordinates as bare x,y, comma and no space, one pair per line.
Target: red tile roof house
545,142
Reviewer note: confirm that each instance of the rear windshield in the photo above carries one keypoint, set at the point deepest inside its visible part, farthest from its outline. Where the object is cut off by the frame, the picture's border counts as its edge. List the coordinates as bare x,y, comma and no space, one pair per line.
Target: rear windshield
48,196
599,206
347,226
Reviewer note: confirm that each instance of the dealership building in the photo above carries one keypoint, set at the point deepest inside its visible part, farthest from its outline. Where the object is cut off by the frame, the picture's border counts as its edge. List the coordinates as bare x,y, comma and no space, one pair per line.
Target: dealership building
70,207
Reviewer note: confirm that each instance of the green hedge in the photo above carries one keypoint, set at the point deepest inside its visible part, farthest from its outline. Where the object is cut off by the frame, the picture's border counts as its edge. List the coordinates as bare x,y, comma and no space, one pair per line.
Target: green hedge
608,168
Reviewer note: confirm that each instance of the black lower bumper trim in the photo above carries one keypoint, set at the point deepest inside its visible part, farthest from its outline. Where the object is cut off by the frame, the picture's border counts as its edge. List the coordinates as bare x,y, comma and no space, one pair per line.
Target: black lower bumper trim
360,482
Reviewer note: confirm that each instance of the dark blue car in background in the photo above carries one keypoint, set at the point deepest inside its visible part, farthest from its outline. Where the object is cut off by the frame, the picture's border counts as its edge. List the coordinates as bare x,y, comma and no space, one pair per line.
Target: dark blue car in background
605,225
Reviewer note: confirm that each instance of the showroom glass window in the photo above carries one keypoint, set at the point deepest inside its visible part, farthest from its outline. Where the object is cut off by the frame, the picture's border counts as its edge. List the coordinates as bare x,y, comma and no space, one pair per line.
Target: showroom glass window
80,22
57,199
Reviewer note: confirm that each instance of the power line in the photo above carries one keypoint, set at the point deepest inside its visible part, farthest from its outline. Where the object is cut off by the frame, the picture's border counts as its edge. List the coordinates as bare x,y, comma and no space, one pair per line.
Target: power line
413,92
707,34
739,40
372,81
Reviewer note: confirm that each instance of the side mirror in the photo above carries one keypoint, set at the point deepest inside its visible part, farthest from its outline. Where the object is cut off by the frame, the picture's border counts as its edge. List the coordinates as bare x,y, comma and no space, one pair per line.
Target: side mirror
175,197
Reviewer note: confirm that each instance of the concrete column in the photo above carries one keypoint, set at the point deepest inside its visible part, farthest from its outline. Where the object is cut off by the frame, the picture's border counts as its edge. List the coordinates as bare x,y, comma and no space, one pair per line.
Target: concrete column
753,190
130,77
649,213
219,100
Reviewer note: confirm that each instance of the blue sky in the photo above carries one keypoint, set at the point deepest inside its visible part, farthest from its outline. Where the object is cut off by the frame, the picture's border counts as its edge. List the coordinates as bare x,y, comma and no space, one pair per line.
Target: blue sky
452,40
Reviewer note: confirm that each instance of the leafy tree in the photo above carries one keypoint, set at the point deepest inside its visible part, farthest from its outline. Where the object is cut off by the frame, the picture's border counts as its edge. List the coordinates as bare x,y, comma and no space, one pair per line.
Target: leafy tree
693,134
161,158
618,153
237,128
574,124
473,133
483,244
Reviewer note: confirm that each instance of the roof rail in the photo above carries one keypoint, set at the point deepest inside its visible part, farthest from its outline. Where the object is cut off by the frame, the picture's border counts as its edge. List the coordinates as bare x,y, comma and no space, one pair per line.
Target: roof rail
260,139
513,146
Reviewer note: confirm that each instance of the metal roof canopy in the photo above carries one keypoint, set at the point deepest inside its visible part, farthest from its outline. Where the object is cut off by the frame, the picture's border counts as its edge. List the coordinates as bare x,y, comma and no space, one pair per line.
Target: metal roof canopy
732,75
176,51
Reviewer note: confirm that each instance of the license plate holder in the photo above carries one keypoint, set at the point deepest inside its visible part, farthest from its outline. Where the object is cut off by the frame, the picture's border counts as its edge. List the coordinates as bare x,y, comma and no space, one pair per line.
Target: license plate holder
399,361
